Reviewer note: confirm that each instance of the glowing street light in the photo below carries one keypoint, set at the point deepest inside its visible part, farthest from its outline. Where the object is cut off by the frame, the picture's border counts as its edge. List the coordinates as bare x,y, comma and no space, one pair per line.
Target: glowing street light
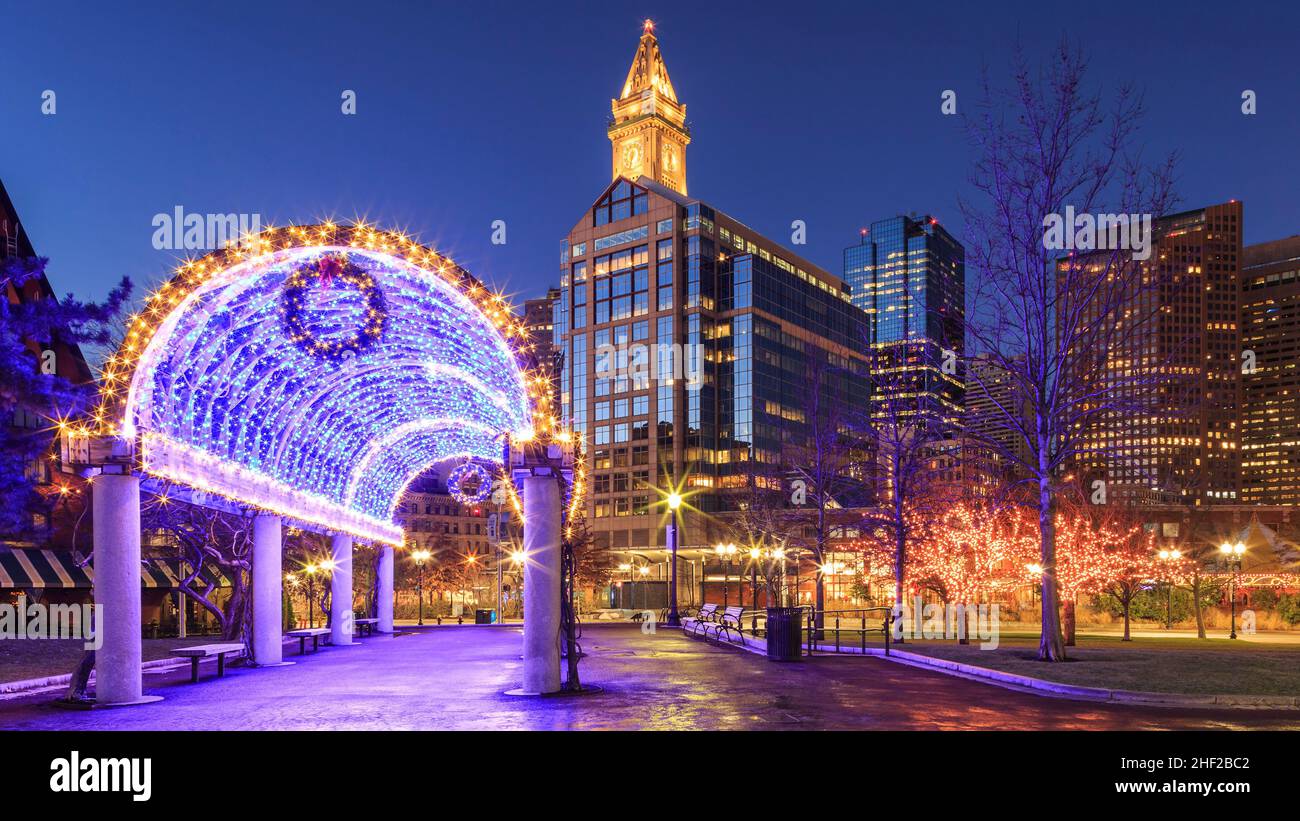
420,557
725,552
674,501
1232,553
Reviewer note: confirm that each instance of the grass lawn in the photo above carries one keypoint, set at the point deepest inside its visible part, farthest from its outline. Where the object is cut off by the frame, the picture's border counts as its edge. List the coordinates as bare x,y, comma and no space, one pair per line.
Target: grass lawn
1163,665
36,658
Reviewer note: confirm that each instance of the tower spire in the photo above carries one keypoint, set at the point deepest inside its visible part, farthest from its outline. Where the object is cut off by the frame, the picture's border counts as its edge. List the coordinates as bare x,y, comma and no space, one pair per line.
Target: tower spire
649,133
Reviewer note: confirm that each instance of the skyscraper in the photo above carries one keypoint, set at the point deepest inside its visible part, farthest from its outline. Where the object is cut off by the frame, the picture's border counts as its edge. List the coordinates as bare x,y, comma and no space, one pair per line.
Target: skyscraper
909,276
1177,439
686,337
1270,391
993,400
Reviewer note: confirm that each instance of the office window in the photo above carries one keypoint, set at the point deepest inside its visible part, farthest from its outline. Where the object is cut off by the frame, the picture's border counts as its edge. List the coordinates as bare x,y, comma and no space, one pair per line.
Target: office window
625,200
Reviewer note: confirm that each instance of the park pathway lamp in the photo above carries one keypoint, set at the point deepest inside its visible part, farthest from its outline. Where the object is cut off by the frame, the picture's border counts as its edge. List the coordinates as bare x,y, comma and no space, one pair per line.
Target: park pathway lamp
755,555
1169,556
725,552
674,500
310,570
472,561
420,557
643,570
1232,554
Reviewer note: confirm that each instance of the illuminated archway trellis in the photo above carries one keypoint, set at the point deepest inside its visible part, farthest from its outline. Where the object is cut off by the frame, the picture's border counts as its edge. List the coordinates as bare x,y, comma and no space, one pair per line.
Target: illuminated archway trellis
313,371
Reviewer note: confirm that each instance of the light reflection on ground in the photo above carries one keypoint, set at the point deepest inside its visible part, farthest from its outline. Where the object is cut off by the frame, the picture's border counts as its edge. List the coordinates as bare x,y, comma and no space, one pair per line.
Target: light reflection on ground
454,678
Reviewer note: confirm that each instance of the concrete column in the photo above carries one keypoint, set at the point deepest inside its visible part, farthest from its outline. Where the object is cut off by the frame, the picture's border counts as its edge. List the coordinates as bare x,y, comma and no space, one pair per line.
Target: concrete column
341,591
268,591
116,519
384,604
541,585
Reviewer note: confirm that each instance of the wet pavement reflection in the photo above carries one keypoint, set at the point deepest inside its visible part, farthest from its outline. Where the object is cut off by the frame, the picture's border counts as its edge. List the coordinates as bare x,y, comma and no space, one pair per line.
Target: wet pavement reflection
455,678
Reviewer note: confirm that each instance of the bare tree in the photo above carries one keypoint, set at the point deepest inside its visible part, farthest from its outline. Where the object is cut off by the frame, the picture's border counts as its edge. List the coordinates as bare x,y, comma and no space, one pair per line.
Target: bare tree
909,448
827,455
761,523
203,537
1049,324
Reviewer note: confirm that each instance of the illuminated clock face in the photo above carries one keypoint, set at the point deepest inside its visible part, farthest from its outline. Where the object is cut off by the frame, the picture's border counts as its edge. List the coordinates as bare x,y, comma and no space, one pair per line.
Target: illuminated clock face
632,155
670,158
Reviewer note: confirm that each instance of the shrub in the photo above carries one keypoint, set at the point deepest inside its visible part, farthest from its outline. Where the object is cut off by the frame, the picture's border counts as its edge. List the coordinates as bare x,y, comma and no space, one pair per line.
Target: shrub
1264,599
1288,608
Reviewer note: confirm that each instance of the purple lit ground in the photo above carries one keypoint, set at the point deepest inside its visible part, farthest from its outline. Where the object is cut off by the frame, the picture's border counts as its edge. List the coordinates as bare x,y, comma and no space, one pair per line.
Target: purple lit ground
453,678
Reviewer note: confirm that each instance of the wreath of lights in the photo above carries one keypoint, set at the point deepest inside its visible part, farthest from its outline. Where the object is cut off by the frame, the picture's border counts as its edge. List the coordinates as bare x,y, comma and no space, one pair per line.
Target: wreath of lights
325,272
456,482
215,395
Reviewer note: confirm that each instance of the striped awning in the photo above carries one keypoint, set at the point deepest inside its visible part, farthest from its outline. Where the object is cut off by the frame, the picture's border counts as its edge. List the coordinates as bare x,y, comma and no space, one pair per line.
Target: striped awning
58,569
41,568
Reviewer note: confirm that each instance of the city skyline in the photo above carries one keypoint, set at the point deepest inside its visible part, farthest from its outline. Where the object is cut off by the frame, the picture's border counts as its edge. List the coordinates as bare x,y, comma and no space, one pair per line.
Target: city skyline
938,371
816,174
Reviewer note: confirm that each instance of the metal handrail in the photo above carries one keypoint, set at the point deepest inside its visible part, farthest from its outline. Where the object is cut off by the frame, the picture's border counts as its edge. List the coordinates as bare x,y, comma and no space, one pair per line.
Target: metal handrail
886,626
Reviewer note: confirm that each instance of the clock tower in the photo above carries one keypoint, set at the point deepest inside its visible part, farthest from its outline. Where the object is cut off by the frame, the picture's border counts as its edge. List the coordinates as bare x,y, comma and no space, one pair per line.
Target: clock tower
649,133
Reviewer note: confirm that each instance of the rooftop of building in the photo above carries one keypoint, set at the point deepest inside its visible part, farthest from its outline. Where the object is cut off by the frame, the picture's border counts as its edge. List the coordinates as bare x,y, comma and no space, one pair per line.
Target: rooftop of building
1272,252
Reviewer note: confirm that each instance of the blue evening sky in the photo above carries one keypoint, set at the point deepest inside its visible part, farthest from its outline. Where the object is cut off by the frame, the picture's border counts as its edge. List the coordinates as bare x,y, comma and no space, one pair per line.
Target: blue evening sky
469,112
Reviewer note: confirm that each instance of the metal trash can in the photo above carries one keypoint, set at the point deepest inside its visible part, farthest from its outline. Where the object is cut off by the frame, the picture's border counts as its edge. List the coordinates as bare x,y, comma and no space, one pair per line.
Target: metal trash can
485,616
784,633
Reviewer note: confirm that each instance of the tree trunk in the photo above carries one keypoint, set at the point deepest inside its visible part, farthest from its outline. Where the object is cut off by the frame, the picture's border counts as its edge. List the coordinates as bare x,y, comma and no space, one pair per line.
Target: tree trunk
1068,610
1196,604
900,558
1128,601
80,681
1050,645
819,577
232,621
820,603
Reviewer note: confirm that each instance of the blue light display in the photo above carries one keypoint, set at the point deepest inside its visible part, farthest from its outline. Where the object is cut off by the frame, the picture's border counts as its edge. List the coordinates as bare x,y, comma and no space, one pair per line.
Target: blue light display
325,415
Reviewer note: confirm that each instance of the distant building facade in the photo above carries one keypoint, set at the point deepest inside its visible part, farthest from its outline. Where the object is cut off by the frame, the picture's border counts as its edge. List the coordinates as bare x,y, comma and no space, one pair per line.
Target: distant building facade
1270,390
909,275
686,337
1178,441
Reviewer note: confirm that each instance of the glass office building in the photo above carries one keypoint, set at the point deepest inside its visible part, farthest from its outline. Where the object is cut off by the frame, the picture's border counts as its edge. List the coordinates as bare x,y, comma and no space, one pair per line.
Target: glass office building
909,275
688,341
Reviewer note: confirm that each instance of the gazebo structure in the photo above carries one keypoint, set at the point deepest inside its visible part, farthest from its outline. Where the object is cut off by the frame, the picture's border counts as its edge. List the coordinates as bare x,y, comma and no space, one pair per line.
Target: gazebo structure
305,377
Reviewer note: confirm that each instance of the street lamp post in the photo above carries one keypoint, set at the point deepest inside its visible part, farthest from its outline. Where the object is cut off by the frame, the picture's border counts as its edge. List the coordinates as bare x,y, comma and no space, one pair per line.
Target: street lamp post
644,570
310,570
674,502
1232,554
420,557
754,555
725,552
1169,556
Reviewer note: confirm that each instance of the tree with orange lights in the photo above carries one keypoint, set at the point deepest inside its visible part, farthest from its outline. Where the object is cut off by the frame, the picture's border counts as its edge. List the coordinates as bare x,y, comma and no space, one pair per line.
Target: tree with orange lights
1109,555
971,550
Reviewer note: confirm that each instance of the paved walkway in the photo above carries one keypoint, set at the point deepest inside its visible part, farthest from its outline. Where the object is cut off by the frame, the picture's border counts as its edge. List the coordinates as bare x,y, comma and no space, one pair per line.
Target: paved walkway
454,678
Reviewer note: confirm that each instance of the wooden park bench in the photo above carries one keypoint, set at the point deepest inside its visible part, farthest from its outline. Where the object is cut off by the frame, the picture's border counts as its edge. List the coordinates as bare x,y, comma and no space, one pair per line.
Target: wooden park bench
313,633
202,651
365,627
